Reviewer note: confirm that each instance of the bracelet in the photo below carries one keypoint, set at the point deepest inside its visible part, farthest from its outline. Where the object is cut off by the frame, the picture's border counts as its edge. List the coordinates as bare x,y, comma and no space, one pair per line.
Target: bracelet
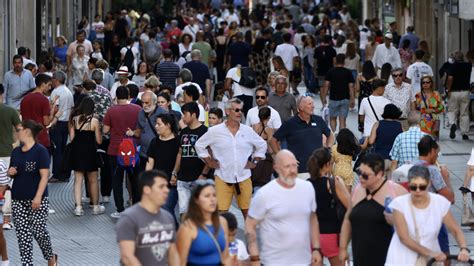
255,258
465,248
316,249
173,173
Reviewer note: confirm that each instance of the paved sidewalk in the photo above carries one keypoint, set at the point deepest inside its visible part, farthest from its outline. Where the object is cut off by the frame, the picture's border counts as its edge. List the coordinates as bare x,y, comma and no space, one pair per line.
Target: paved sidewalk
90,239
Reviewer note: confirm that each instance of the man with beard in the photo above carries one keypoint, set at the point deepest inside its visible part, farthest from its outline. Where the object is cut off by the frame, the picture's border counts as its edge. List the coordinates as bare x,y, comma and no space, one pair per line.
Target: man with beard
17,81
286,238
146,124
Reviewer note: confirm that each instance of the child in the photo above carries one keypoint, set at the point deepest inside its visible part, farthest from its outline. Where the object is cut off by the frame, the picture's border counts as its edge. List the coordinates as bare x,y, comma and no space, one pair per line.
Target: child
97,53
237,249
4,189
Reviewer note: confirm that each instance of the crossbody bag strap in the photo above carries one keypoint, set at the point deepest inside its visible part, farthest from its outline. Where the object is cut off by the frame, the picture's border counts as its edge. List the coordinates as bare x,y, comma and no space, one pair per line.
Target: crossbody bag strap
424,101
150,123
373,110
215,242
417,234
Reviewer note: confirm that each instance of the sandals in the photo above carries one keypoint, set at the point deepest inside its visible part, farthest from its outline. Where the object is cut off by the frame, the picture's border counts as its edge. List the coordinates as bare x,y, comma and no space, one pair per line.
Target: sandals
465,190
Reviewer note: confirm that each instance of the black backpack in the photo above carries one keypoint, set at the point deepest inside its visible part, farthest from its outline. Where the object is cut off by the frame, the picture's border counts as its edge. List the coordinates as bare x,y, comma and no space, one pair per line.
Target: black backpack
247,78
128,60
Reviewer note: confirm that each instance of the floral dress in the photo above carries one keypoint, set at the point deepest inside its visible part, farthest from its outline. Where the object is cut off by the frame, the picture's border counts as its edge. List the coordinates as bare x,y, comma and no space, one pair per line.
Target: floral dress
429,122
342,166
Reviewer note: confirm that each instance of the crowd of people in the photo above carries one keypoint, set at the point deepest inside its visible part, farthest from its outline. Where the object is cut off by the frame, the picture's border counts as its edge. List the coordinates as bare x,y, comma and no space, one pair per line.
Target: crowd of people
176,115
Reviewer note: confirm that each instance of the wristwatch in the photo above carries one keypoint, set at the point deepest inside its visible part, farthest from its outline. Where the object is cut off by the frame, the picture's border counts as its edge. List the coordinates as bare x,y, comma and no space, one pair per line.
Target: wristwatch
255,161
316,249
465,248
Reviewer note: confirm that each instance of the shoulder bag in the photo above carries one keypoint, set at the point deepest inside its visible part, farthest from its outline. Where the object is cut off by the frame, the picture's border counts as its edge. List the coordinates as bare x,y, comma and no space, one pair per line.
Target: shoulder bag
335,202
420,260
215,242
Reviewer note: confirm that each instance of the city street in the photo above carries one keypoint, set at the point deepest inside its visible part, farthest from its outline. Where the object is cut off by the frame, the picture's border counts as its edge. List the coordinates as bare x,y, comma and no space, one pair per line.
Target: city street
90,239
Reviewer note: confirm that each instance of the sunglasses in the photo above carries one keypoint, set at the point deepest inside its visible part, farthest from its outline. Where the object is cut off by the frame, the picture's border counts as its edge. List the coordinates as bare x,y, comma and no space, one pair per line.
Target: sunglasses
414,187
237,110
426,82
363,175
397,75
202,183
260,97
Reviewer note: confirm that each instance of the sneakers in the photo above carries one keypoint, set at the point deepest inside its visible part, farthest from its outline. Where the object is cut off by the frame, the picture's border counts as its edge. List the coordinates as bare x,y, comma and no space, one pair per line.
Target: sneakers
105,199
452,131
78,211
7,226
98,209
115,215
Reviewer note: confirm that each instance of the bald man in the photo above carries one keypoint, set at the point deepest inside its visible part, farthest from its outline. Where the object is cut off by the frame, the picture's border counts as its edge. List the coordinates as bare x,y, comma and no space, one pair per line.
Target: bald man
303,133
285,209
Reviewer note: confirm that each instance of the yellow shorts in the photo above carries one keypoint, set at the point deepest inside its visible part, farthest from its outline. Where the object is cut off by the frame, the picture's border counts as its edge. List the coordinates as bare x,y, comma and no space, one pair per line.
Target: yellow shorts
226,192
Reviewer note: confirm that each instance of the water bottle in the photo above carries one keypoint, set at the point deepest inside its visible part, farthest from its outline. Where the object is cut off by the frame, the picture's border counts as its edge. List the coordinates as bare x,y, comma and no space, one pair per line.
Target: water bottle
233,250
387,201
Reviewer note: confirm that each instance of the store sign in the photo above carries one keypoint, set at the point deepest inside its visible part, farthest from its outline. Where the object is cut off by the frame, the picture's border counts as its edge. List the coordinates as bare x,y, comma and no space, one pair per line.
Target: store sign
466,9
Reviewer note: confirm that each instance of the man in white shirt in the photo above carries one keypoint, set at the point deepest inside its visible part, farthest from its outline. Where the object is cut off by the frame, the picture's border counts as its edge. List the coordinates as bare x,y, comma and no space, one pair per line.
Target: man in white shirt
98,27
371,108
192,28
417,70
80,39
133,67
288,53
59,132
401,94
261,98
232,85
285,210
232,144
386,53
123,80
185,79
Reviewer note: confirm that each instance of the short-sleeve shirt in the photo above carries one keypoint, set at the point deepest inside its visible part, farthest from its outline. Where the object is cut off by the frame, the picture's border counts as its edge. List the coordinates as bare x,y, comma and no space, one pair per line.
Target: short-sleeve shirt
200,72
168,73
436,179
235,74
324,56
15,85
378,102
285,105
287,52
191,165
120,118
8,119
340,78
415,72
28,165
284,216
461,73
205,49
35,106
65,101
102,103
164,154
147,133
152,233
239,54
303,138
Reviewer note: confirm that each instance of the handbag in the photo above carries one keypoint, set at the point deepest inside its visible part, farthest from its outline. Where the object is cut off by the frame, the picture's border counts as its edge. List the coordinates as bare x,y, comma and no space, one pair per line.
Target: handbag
335,202
467,218
215,243
420,260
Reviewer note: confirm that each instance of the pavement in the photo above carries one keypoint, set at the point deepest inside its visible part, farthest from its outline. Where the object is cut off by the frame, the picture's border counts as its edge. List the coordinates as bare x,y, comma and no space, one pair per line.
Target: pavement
91,240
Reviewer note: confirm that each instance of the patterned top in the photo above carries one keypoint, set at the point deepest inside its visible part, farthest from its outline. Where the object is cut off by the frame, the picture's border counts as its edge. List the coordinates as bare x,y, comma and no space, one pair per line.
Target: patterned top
402,97
405,147
102,101
342,166
428,122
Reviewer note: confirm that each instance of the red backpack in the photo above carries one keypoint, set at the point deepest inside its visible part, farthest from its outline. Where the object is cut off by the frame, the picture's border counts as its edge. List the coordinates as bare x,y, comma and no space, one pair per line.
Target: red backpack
128,153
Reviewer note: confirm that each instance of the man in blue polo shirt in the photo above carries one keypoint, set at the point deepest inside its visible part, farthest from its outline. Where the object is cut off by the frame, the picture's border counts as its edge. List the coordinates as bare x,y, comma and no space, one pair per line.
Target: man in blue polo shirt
304,134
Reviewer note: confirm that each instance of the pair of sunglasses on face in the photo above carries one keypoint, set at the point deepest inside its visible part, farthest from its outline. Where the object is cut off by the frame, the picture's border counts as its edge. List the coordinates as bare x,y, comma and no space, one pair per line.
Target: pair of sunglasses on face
415,187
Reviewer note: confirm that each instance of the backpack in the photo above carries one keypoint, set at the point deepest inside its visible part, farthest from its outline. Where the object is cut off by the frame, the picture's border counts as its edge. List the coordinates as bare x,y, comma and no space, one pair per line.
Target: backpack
152,51
247,78
128,154
128,60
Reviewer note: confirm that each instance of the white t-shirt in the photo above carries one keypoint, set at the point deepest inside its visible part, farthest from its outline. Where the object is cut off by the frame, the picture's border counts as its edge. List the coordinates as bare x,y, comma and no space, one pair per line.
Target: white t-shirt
113,90
202,113
378,102
242,253
136,54
415,72
98,26
284,216
234,74
252,118
428,220
286,52
65,101
179,89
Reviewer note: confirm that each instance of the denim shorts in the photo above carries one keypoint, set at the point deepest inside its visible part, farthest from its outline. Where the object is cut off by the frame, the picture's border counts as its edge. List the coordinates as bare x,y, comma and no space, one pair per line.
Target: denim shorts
184,195
338,108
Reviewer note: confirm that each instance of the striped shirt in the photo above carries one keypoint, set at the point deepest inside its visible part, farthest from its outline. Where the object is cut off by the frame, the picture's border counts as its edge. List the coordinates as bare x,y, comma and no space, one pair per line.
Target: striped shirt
405,147
168,73
4,179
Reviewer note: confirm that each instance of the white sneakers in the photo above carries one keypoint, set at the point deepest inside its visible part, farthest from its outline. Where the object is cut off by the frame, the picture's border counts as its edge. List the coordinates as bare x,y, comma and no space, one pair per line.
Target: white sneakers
79,211
115,215
98,209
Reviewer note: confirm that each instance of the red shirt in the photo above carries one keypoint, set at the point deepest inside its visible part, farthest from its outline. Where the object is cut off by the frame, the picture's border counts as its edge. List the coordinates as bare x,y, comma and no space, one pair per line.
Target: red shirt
35,106
174,35
119,118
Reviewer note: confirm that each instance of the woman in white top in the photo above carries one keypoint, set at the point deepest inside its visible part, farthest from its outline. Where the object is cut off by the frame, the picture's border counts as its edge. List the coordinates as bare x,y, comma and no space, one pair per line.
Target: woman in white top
352,61
140,76
186,43
78,70
418,217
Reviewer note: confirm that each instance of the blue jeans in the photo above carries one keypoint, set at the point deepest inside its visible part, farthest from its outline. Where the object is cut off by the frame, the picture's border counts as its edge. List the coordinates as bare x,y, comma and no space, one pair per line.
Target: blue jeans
309,81
171,201
443,239
59,135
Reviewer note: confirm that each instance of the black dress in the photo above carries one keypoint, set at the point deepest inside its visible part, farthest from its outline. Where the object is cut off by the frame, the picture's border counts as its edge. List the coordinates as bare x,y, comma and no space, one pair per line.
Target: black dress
84,149
371,235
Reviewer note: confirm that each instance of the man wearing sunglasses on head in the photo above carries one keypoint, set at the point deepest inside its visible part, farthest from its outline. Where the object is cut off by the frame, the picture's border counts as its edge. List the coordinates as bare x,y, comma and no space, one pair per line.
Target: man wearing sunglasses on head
236,149
401,94
261,98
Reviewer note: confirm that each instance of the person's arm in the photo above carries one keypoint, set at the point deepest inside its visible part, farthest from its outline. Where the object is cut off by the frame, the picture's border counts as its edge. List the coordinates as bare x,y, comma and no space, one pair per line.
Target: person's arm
316,254
127,253
173,255
251,235
351,95
105,129
208,88
44,174
393,165
330,140
324,91
228,84
149,164
401,230
449,83
184,240
98,134
72,132
342,194
274,145
345,236
454,228
446,191
373,133
201,149
177,166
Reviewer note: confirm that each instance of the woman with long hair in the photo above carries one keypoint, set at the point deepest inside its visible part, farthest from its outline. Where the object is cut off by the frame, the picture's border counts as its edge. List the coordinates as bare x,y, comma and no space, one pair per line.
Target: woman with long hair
320,164
85,134
279,66
309,45
406,54
342,154
163,155
186,43
370,48
352,61
202,237
430,104
262,173
423,45
164,101
29,169
140,77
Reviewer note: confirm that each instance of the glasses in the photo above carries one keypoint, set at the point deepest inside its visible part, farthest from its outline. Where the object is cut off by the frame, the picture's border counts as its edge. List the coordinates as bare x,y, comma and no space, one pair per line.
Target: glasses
202,183
260,97
415,187
426,82
363,175
237,110
397,75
